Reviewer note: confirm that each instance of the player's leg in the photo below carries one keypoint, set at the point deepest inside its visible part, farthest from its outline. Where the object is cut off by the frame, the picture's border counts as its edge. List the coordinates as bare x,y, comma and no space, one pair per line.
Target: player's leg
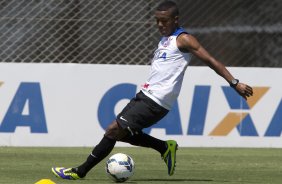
145,140
113,133
142,112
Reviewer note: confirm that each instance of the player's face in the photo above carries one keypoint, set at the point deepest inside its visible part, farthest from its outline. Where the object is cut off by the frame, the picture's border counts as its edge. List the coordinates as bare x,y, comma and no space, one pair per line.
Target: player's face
166,22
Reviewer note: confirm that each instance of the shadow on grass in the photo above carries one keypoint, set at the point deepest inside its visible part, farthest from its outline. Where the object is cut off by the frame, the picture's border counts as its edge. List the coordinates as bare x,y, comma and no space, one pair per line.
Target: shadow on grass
175,180
159,180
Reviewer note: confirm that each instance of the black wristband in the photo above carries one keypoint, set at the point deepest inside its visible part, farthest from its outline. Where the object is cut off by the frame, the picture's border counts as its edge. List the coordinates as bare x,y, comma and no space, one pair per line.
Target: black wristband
234,83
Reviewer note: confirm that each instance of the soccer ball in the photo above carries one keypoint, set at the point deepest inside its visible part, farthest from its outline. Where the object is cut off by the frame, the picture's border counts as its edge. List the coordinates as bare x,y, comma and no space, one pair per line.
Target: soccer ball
120,167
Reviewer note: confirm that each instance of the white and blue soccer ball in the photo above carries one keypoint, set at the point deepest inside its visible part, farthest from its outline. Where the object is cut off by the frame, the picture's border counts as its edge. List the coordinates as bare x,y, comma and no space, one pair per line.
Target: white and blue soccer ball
120,167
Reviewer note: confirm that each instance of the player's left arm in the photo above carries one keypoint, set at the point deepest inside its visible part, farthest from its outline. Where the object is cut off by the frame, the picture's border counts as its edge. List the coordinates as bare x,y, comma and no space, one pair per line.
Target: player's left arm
190,43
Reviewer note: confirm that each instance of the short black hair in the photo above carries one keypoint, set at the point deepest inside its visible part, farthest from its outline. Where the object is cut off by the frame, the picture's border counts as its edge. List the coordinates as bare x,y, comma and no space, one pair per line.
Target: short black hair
166,5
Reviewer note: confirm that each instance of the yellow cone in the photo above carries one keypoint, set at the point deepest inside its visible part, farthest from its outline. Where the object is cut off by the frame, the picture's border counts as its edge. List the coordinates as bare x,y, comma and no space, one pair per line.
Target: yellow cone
45,181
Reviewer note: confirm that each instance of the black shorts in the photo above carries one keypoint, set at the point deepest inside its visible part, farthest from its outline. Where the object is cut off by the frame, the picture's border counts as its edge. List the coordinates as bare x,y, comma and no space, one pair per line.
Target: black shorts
141,112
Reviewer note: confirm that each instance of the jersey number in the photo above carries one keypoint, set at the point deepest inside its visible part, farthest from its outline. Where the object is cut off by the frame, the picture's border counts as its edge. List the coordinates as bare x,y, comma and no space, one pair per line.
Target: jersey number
163,55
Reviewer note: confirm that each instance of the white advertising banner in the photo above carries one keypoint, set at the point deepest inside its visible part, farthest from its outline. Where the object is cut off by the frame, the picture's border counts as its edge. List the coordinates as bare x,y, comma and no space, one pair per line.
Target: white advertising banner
72,104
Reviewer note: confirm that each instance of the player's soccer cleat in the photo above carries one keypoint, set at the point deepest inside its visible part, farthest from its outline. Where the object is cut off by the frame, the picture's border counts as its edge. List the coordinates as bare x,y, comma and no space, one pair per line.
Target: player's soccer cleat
65,173
169,156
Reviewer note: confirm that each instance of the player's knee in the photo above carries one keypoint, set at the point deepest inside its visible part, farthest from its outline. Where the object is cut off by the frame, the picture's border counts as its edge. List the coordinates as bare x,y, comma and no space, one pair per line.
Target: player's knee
114,131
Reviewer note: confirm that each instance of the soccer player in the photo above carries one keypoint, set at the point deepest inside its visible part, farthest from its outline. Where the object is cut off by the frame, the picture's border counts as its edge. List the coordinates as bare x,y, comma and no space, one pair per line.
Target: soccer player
157,95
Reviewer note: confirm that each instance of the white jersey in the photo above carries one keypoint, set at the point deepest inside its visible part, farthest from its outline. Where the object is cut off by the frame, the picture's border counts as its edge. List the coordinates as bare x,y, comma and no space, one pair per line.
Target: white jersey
167,71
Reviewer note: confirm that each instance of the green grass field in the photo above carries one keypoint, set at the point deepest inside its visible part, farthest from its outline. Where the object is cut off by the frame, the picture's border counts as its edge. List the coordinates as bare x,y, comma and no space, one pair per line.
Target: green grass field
194,165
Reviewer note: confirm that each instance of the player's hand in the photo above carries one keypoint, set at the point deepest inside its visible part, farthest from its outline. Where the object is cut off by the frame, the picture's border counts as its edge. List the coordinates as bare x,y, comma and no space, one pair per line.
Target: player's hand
244,90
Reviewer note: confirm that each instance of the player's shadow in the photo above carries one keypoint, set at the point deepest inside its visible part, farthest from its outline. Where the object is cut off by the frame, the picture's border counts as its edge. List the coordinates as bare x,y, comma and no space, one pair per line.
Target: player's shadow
172,180
160,180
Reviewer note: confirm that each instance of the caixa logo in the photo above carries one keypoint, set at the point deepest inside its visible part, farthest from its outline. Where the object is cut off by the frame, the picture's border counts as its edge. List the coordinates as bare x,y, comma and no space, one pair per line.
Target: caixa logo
26,109
240,120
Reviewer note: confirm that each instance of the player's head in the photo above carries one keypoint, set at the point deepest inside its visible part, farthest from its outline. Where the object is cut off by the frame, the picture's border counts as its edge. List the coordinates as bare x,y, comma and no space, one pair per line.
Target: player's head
166,15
